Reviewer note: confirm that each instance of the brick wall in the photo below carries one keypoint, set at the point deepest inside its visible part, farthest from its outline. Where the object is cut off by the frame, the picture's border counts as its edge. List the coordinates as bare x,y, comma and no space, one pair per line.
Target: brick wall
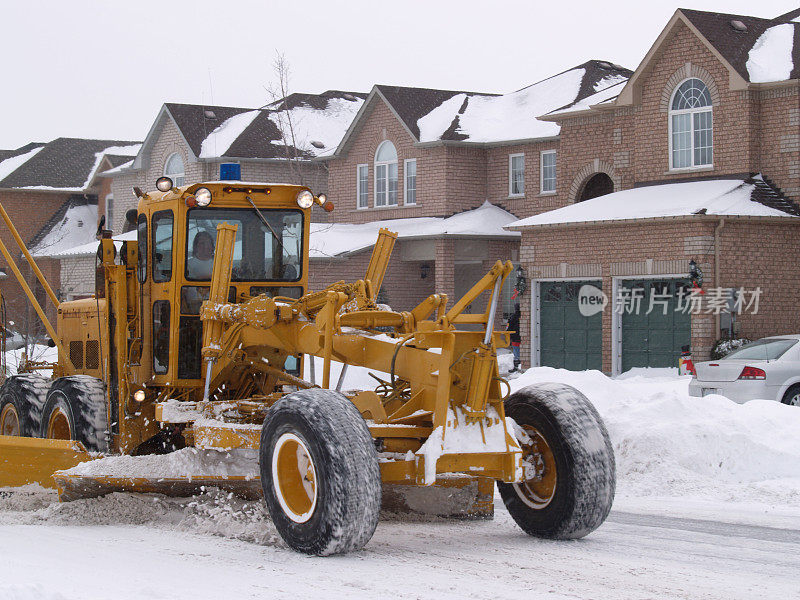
78,277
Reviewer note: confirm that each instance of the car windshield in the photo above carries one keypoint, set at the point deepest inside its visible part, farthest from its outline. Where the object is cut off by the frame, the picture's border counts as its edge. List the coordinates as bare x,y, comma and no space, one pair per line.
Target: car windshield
260,252
766,349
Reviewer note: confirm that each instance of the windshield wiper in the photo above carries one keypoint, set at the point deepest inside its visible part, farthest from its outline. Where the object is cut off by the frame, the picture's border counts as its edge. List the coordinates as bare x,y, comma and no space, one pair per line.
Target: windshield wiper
265,222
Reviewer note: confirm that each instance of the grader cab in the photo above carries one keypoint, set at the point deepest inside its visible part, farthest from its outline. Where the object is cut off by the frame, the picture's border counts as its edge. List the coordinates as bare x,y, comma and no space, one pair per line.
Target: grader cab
198,335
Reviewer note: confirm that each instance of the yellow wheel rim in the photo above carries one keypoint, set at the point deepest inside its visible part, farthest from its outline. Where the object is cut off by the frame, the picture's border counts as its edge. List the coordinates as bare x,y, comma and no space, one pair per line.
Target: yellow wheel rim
9,420
294,478
539,491
58,426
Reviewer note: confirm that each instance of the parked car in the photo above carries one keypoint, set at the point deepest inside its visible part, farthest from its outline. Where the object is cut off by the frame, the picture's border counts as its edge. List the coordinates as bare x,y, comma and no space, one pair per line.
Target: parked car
768,368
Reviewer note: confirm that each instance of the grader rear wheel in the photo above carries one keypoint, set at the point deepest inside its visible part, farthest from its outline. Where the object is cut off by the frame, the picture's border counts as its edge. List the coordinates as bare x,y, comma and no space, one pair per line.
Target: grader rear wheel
59,424
319,473
568,450
75,409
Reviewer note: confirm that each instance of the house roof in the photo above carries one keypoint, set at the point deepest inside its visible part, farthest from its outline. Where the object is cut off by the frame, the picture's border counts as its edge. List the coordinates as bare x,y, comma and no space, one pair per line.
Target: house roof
342,239
65,164
432,115
752,196
737,45
74,224
318,121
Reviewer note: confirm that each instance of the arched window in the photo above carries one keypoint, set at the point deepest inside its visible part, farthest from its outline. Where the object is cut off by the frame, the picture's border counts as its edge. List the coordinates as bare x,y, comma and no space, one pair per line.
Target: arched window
386,175
173,169
691,137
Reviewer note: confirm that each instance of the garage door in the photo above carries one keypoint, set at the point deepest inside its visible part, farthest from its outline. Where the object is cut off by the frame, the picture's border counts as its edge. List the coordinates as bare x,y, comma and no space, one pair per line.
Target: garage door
567,339
654,331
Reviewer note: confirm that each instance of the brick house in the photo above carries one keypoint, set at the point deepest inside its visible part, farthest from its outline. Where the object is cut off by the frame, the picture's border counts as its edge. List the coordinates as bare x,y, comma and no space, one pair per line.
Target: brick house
714,102
415,153
50,192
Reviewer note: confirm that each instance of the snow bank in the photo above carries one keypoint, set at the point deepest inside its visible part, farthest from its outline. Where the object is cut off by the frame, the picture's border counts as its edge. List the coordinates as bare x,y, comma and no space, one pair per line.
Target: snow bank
670,444
39,353
770,58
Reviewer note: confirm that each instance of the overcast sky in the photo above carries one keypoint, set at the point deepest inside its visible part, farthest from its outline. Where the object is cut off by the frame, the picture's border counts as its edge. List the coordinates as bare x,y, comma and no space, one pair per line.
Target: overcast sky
102,69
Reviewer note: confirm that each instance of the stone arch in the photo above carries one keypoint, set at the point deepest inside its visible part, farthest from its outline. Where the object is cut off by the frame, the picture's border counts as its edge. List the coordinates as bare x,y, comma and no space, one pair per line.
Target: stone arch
589,171
688,71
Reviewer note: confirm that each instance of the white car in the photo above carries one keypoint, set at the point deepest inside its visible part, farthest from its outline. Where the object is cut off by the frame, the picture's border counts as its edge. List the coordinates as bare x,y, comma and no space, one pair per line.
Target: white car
768,368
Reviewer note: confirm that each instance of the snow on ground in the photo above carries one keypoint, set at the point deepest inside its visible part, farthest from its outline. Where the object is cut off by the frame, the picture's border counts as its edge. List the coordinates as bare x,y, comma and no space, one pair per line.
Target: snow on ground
38,352
713,197
770,58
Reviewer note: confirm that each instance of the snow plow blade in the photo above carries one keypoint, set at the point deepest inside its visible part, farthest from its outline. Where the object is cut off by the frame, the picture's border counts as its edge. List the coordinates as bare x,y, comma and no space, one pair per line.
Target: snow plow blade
25,460
77,487
455,497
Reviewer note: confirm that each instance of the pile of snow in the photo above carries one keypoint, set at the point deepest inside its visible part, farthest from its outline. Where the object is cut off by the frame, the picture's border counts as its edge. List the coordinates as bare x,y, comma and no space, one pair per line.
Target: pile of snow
669,444
482,118
712,197
37,353
770,58
333,239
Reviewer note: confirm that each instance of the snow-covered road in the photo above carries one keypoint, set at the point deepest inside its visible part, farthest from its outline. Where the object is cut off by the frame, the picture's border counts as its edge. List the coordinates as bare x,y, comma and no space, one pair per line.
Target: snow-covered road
172,549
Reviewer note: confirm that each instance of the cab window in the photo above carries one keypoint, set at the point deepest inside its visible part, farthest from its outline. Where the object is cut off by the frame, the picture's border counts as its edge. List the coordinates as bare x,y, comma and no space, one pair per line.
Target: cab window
160,336
141,239
162,246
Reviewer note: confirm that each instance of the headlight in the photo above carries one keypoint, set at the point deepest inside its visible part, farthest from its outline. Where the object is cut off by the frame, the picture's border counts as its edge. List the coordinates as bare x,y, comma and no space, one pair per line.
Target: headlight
305,199
164,184
203,196
139,395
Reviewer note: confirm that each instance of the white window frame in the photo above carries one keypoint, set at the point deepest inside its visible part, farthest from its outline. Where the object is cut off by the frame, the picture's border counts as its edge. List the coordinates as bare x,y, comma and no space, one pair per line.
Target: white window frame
689,111
177,178
407,162
362,198
109,213
511,158
387,164
542,154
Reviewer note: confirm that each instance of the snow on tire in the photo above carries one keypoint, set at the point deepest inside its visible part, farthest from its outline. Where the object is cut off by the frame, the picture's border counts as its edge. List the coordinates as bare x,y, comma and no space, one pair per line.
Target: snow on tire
566,440
319,473
76,409
24,394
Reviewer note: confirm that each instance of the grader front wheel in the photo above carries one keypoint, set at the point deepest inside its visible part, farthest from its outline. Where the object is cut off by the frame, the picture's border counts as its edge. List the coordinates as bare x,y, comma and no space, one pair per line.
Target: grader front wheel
319,473
9,420
570,462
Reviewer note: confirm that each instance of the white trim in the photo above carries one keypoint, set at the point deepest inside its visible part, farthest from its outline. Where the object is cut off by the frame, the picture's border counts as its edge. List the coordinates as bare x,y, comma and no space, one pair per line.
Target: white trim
689,111
511,158
109,222
406,162
543,191
358,187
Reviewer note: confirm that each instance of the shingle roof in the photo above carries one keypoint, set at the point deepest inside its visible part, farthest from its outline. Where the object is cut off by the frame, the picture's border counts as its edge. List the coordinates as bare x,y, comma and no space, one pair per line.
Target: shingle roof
261,137
412,103
63,164
733,44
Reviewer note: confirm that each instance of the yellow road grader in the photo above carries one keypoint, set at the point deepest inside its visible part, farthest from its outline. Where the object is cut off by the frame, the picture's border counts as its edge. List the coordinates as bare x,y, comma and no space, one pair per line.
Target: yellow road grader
197,336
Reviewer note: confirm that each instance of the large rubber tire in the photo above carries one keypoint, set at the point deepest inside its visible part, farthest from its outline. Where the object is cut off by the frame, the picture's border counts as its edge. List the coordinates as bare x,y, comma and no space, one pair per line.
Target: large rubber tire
80,400
340,492
25,394
578,463
792,396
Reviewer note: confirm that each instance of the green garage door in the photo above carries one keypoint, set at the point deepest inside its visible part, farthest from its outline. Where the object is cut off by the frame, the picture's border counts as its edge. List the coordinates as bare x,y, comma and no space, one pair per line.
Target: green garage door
654,339
568,340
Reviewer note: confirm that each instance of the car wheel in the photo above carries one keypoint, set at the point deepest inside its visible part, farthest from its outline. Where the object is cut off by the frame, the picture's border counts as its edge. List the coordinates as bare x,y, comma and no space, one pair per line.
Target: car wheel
792,396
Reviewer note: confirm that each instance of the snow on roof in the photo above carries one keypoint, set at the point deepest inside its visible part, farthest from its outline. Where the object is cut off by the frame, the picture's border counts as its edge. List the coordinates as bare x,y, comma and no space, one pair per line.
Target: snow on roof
318,131
130,150
89,248
486,119
219,140
770,58
77,227
119,168
713,197
10,165
606,95
334,239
